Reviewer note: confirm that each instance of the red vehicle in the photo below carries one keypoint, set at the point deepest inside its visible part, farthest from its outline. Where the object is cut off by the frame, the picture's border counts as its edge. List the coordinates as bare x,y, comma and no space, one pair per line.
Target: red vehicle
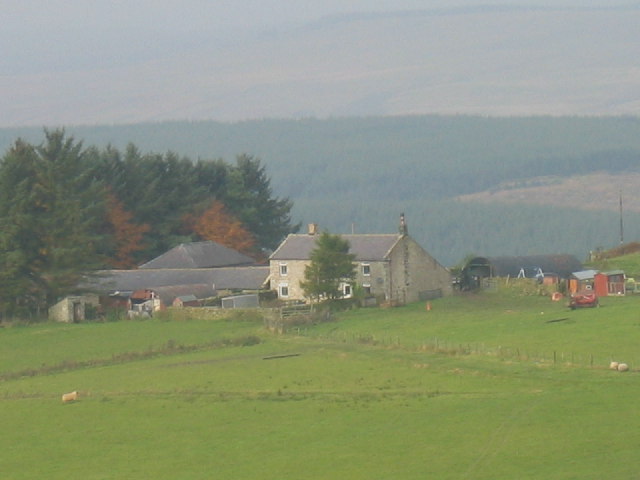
583,299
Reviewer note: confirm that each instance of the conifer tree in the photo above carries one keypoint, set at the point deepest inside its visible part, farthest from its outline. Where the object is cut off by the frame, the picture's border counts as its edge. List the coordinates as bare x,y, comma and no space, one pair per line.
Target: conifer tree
249,197
51,210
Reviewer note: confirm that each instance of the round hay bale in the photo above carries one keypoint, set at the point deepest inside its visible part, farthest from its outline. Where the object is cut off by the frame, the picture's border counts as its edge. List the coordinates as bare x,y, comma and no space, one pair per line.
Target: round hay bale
614,365
623,367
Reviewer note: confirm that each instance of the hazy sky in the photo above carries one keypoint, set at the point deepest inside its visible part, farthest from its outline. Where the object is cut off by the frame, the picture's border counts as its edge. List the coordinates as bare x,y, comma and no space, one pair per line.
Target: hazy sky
117,60
31,15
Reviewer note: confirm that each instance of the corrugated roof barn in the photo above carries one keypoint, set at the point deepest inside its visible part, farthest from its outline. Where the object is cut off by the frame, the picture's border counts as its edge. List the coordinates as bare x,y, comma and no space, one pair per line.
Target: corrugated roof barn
560,264
229,278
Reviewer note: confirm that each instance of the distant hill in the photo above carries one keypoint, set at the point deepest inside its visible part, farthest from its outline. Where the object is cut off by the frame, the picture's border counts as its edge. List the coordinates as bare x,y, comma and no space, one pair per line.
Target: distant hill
553,182
485,60
593,191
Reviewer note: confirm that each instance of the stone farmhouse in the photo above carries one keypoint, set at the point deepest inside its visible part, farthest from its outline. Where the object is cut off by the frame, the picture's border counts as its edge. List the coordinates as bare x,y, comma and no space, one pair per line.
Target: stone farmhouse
393,268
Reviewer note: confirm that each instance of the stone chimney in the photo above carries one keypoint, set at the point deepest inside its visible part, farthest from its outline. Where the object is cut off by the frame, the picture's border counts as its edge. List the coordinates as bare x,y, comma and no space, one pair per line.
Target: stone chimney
312,228
404,229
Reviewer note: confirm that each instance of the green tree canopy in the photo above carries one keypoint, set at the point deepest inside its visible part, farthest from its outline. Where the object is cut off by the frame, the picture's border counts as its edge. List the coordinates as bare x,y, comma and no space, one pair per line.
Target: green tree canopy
331,264
249,197
51,210
66,210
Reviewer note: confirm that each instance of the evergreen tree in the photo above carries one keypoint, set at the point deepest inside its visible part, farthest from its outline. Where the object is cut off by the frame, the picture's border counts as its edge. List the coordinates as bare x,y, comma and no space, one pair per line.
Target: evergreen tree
51,209
331,264
249,197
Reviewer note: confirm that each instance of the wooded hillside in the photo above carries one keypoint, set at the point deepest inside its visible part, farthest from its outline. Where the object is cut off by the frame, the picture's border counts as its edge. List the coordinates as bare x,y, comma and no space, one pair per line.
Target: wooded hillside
361,173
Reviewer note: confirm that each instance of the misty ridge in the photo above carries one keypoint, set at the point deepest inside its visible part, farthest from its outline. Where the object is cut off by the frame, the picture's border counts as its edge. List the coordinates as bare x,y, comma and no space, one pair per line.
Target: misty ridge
495,60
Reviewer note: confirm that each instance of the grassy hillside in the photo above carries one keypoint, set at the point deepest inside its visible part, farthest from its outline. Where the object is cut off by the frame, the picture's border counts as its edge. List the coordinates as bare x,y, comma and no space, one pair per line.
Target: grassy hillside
479,387
360,173
625,257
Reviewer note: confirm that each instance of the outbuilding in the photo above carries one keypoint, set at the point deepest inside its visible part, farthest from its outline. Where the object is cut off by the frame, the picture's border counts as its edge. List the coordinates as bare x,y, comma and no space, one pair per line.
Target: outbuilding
544,268
73,309
581,280
609,283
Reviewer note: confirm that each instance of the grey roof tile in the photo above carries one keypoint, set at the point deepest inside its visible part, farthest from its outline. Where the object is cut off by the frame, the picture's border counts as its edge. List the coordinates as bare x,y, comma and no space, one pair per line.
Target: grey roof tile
366,247
199,255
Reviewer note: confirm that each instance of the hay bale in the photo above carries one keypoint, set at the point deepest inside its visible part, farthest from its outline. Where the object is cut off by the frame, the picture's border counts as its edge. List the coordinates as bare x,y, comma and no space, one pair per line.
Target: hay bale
623,367
614,365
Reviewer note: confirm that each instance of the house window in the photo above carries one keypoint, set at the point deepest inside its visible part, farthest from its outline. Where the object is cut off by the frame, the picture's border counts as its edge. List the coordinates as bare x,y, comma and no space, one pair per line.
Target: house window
346,290
366,269
283,269
283,290
367,288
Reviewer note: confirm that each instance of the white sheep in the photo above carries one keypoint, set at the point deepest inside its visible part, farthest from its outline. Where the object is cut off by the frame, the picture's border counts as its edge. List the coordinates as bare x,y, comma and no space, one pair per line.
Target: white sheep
623,367
614,365
69,397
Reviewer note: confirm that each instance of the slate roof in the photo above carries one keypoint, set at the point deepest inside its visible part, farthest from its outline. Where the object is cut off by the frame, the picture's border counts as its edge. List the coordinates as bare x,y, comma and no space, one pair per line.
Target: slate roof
199,255
366,247
226,278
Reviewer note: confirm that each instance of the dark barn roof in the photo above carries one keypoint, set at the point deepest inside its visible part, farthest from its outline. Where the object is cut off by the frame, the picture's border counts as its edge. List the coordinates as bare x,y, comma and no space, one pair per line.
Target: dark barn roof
366,247
561,264
199,255
229,278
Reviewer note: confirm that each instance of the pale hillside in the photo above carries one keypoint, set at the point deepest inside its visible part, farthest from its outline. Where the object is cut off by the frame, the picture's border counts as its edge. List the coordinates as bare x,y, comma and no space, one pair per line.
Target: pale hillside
596,191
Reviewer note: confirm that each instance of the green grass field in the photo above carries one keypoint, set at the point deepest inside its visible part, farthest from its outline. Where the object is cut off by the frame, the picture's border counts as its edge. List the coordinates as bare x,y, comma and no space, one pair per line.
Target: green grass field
480,387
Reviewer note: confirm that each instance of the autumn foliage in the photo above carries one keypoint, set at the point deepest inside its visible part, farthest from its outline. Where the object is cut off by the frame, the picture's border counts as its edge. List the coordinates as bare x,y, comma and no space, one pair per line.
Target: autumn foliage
216,224
127,235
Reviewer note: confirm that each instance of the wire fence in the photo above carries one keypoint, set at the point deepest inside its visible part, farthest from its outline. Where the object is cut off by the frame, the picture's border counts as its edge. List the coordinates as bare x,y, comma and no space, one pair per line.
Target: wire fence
441,346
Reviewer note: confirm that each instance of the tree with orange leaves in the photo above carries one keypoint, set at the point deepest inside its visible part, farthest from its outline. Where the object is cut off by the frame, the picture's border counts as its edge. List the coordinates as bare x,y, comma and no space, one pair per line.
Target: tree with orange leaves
218,225
127,236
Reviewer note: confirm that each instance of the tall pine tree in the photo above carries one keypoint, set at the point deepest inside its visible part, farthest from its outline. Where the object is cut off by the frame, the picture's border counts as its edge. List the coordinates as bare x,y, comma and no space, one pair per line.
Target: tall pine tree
51,209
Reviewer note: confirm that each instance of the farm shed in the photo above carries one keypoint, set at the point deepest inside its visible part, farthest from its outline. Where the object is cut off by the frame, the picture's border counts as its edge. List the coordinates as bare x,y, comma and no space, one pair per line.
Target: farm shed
144,302
610,283
115,287
581,280
186,301
72,309
232,279
241,301
546,268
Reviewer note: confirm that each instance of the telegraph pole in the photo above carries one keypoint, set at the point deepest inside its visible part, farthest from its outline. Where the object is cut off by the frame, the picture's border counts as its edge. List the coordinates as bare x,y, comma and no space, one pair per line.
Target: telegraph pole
621,222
